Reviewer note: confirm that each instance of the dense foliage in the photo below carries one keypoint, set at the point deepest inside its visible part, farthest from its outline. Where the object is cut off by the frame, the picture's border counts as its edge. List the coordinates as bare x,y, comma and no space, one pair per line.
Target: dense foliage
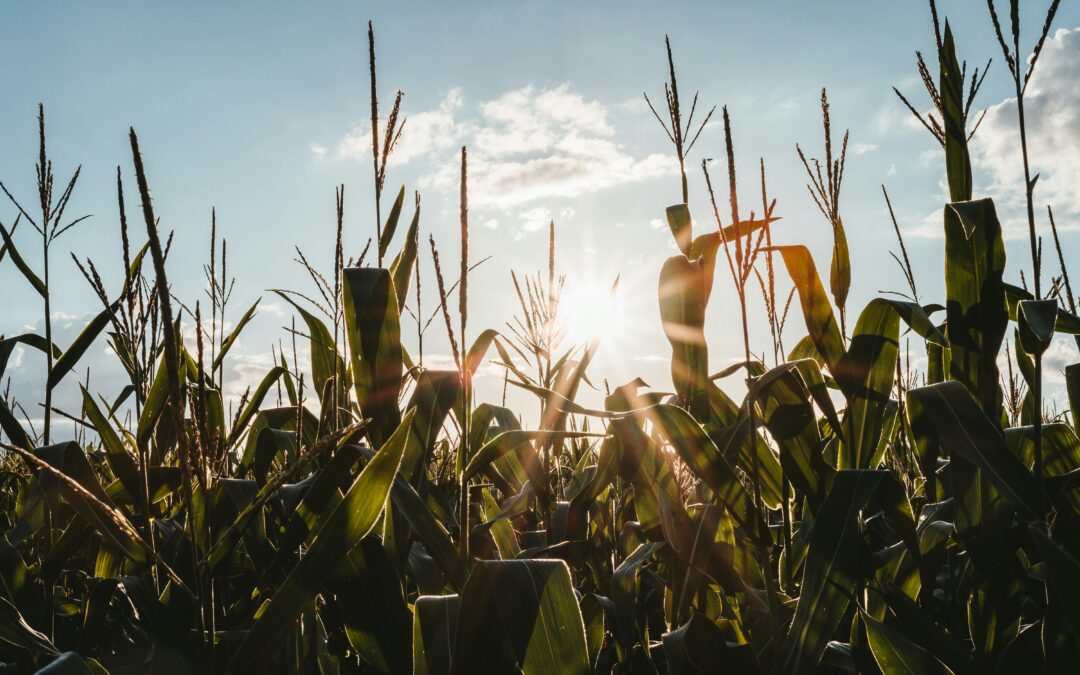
381,519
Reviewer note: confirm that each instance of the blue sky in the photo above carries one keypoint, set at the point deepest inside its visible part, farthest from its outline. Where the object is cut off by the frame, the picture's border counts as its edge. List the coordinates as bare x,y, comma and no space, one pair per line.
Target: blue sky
251,107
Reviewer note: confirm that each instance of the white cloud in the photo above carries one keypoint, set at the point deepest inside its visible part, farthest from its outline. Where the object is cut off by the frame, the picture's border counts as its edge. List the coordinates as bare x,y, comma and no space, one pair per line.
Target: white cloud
863,148
1053,133
422,133
318,152
524,145
891,118
272,307
534,219
1062,353
934,156
634,104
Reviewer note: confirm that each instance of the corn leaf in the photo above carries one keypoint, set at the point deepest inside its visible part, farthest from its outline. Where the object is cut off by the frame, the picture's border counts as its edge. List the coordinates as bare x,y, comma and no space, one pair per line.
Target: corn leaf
351,521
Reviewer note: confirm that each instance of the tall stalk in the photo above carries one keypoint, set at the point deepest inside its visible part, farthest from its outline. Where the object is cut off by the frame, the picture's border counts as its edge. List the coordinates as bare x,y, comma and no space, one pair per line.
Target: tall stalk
380,151
676,131
1020,82
375,140
49,229
741,266
466,374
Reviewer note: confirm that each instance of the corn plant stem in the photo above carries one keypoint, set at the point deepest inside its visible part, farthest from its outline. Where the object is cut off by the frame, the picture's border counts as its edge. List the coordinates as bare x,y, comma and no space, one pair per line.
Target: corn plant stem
48,341
206,577
48,408
463,480
466,374
682,173
766,553
339,273
1036,272
375,144
1036,394
136,379
50,588
785,496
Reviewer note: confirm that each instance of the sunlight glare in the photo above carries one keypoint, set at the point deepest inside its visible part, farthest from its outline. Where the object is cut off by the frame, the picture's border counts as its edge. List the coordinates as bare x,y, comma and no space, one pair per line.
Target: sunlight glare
591,311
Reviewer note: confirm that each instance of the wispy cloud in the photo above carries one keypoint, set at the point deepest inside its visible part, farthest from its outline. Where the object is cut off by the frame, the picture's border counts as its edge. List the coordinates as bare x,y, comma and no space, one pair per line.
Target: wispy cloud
1053,132
525,145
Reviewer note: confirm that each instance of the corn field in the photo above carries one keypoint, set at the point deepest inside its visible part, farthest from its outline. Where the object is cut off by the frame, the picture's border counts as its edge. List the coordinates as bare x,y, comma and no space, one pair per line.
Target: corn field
848,514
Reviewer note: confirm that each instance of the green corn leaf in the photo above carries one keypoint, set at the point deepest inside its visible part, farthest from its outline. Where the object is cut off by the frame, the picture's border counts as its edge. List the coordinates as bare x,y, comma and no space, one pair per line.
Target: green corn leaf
951,89
523,610
488,421
975,307
965,431
502,532
1072,385
233,335
428,530
834,564
372,325
895,653
1061,453
700,646
253,404
684,294
705,460
865,374
513,440
840,266
435,623
1062,572
284,418
315,504
625,588
789,417
21,265
156,401
1065,322
13,429
351,521
917,319
475,356
707,245
402,267
94,506
390,226
377,621
269,444
678,218
33,340
14,630
435,394
729,427
119,460
1036,324
71,356
820,321
172,650
325,362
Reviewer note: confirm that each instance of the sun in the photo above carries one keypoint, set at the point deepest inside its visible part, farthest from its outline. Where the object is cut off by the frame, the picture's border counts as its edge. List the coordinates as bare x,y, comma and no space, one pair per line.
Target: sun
591,311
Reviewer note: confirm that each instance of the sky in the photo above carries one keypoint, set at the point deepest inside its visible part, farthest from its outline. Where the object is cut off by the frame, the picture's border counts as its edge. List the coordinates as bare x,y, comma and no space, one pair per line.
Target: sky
259,109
